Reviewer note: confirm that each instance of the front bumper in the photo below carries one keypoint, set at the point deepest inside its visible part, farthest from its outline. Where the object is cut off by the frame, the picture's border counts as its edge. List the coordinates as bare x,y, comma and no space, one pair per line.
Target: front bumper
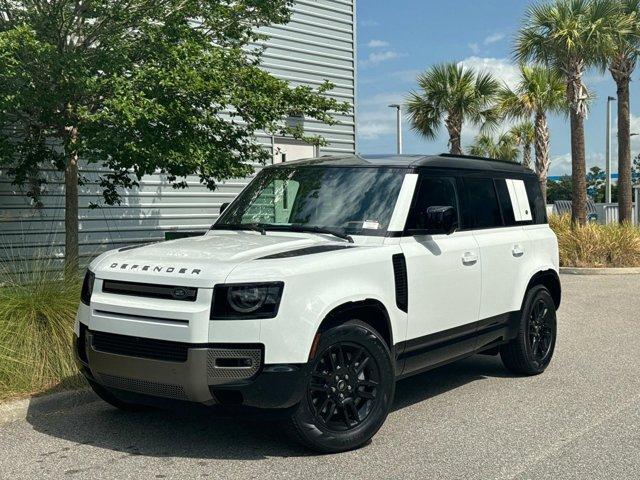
210,374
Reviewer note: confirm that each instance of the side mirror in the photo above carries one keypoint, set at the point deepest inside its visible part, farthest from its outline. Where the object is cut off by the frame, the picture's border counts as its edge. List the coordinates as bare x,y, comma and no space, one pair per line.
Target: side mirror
223,207
442,220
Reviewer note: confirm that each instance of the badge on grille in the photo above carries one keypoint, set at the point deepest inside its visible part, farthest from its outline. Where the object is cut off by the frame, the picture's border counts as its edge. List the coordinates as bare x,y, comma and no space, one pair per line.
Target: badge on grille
179,293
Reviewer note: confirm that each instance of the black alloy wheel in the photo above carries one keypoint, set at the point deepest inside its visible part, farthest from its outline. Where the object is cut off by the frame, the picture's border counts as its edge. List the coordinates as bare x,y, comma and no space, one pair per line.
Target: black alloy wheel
344,386
349,390
530,352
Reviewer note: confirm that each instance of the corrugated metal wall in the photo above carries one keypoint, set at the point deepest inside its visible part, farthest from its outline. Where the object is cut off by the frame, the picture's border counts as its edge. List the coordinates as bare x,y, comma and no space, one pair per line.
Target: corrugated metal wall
317,45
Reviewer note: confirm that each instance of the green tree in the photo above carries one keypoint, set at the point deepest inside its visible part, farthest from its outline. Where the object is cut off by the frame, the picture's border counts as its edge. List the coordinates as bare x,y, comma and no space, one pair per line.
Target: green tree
570,36
141,86
539,91
524,134
451,94
560,189
504,147
596,180
622,63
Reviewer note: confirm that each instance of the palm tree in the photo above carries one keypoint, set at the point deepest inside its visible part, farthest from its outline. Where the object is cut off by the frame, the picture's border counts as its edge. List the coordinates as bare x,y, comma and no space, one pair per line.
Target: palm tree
453,95
524,134
571,36
621,65
504,147
539,91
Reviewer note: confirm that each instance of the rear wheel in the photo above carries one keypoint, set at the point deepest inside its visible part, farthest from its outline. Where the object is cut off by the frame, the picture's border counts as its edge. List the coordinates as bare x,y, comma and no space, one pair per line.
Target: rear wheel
114,401
349,391
531,351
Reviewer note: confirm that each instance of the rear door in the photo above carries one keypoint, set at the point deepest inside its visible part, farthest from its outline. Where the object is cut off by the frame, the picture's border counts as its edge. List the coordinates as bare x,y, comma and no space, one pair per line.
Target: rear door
493,210
444,281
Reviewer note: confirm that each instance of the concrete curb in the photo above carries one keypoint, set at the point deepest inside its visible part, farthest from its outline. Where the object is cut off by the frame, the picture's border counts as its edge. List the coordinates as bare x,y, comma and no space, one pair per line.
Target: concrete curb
17,410
600,271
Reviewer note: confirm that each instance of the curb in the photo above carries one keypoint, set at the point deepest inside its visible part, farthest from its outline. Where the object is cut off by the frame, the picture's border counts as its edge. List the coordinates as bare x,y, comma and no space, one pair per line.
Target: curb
17,410
600,271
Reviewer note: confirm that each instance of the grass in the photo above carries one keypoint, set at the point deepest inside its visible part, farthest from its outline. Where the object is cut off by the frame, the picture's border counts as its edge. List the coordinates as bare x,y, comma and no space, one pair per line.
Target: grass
37,311
595,245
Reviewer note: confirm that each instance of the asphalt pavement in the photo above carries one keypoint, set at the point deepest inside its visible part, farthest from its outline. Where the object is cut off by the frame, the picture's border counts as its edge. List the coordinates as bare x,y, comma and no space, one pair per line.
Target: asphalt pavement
472,419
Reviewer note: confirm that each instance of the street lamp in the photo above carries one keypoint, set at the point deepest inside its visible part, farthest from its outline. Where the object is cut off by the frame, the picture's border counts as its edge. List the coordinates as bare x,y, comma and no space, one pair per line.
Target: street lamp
398,126
608,152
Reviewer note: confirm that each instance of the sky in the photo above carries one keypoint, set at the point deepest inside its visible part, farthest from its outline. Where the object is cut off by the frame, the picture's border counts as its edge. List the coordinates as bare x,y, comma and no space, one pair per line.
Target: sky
401,38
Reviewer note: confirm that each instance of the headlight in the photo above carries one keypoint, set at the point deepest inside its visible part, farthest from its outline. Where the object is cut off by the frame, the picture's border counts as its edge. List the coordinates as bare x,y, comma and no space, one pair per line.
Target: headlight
87,287
246,300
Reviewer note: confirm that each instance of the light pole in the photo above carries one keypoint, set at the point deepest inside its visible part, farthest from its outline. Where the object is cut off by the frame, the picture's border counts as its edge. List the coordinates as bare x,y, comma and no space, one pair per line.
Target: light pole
608,152
398,126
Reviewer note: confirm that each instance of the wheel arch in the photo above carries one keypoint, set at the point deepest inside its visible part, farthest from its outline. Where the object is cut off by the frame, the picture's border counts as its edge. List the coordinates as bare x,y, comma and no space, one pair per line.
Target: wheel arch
370,311
549,279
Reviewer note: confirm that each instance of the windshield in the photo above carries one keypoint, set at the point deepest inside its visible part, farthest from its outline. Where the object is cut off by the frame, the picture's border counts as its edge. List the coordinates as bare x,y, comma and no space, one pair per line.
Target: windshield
351,200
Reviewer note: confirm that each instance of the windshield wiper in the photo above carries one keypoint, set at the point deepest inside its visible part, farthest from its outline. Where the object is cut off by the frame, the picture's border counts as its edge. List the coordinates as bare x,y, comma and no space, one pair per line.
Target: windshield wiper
312,229
255,227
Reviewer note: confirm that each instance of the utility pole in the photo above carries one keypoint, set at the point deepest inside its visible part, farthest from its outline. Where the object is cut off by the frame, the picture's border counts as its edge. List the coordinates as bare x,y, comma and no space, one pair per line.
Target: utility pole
398,127
607,198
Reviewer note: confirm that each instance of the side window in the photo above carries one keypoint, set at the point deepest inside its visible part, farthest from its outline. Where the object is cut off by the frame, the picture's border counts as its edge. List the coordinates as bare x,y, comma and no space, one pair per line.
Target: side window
505,202
432,192
537,203
481,206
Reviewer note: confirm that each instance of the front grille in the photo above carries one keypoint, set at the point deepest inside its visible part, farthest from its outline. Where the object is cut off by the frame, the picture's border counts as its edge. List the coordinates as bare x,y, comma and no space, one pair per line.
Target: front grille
140,347
167,292
143,386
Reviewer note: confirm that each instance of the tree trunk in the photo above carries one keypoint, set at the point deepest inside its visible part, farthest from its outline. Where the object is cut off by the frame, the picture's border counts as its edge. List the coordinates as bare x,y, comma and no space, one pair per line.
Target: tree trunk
625,188
454,127
71,207
542,151
578,170
526,155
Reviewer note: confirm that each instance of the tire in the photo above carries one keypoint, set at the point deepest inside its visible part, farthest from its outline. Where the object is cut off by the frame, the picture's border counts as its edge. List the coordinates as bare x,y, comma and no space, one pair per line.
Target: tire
349,391
531,351
114,401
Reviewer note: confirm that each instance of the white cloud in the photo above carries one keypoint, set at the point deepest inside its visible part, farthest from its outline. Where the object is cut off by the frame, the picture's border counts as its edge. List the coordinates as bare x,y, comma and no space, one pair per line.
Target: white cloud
635,140
494,38
475,48
369,23
501,68
375,118
406,76
377,44
376,58
561,164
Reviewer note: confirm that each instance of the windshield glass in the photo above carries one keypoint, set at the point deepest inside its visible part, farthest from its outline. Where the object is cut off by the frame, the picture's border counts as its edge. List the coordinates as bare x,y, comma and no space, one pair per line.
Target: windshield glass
351,200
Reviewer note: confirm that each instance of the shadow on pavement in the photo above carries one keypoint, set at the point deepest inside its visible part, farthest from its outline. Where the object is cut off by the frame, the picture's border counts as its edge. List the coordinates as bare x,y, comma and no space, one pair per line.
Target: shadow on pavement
192,432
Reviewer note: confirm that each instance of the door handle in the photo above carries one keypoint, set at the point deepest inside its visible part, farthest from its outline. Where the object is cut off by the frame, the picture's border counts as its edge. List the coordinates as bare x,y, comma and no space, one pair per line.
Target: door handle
469,258
517,251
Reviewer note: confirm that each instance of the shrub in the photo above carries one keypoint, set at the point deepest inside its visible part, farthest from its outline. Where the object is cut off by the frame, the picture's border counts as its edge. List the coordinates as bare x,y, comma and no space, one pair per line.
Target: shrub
37,311
595,245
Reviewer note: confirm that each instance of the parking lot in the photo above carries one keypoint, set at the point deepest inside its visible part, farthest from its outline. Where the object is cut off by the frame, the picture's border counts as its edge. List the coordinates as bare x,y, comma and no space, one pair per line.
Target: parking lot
580,419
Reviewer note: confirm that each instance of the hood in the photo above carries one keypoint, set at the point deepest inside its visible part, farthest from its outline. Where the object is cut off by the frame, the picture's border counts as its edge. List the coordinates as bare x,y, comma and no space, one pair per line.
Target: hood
197,261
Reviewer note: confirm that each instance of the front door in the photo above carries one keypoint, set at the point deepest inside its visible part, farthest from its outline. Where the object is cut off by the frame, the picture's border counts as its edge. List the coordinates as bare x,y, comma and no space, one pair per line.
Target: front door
444,278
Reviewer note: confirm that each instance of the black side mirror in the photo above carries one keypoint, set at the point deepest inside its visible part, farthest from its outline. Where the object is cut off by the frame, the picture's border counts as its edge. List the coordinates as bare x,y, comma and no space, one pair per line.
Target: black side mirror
223,207
442,220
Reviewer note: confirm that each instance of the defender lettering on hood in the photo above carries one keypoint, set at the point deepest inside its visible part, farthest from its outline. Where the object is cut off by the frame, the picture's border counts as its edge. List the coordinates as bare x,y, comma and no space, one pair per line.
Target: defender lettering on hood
155,268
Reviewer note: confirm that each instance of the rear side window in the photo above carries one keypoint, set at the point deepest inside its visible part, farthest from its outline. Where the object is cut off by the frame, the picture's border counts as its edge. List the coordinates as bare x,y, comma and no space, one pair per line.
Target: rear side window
537,203
505,202
481,207
432,192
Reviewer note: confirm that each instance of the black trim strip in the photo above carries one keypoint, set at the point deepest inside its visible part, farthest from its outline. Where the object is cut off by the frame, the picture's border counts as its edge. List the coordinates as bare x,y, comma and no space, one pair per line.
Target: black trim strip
401,282
167,292
305,251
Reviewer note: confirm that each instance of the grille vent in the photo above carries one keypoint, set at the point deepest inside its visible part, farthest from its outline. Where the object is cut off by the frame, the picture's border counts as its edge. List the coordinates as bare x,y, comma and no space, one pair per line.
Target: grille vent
140,347
400,277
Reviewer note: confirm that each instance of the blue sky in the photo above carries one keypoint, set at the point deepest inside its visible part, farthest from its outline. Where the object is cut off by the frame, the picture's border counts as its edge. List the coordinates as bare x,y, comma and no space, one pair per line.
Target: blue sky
398,39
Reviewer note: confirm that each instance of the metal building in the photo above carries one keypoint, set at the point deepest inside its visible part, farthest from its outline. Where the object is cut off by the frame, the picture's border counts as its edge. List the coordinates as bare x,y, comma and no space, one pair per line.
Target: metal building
317,45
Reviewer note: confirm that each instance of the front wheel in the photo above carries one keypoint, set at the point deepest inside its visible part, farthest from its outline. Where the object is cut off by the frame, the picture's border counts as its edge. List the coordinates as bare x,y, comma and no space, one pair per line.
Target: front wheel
349,391
531,351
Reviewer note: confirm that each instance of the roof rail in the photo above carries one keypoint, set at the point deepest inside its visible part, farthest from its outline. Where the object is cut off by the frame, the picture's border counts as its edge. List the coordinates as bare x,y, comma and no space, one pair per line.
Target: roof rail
475,157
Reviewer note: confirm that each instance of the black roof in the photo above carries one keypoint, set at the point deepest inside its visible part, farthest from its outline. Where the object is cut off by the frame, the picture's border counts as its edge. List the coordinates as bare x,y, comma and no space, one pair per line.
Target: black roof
443,160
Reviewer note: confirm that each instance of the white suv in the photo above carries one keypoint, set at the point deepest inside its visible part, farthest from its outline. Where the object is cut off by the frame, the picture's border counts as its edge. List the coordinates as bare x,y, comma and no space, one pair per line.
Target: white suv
324,282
